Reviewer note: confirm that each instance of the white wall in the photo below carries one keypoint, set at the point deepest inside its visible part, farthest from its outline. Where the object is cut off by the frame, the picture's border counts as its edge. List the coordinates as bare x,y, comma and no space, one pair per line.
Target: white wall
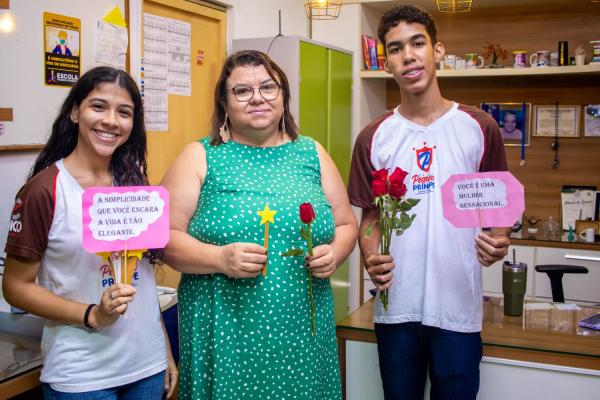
21,84
259,18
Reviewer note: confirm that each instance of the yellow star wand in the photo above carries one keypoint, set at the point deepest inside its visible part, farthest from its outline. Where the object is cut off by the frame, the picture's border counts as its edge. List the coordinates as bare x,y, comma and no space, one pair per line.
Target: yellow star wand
267,215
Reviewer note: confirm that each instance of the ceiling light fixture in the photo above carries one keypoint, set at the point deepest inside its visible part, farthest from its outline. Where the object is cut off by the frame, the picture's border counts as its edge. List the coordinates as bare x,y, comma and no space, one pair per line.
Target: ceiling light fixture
454,6
322,9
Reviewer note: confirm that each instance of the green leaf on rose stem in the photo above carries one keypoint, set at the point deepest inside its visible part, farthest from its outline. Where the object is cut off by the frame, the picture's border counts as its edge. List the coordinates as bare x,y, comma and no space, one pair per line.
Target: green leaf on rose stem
376,201
411,203
399,232
293,253
389,206
405,221
405,205
412,217
304,233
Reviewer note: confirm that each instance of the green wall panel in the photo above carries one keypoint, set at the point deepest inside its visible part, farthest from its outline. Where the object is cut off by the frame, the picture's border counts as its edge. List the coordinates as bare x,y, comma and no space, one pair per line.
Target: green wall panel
313,92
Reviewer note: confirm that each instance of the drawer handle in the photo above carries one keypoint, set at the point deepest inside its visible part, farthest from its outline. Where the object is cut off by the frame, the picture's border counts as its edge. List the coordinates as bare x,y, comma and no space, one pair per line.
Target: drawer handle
581,258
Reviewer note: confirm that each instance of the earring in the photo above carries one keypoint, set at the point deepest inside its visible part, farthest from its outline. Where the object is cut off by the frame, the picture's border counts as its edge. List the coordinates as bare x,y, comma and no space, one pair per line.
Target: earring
224,131
283,124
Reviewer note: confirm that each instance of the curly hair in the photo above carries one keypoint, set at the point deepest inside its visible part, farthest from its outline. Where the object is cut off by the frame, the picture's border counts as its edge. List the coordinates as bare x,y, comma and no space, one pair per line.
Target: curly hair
253,58
410,15
128,162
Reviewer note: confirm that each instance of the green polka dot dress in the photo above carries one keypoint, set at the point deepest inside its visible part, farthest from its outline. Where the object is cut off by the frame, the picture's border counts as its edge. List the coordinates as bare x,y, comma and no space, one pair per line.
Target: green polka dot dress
251,338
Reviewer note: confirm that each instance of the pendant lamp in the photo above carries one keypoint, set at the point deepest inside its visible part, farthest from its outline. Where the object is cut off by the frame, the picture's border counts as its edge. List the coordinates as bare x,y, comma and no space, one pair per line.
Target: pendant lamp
322,9
454,6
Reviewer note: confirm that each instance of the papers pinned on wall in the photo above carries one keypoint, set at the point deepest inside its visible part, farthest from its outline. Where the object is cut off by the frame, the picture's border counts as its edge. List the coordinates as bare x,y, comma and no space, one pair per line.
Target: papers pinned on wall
166,66
154,73
111,44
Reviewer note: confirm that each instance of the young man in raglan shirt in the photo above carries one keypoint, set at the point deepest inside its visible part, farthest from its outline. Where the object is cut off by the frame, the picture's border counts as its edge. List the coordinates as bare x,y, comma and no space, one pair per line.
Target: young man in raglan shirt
434,271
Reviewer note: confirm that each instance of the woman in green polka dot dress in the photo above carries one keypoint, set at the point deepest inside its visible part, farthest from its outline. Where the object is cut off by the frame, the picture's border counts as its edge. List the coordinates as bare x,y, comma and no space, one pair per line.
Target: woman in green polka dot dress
245,335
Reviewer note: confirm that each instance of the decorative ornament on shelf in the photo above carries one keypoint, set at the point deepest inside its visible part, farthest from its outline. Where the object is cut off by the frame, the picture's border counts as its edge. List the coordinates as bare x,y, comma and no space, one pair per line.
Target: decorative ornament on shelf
496,52
454,6
322,9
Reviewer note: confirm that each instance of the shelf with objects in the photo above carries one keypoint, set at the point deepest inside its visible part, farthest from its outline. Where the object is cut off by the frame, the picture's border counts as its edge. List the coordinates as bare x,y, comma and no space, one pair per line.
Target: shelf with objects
589,69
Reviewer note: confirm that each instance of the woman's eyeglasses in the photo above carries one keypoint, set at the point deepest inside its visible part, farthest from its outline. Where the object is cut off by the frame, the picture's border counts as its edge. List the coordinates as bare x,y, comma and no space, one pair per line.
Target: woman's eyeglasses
243,93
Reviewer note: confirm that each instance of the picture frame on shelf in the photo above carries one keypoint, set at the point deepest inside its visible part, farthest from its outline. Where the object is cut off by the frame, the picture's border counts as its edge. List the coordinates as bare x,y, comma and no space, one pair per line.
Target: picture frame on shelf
556,120
591,120
513,120
577,203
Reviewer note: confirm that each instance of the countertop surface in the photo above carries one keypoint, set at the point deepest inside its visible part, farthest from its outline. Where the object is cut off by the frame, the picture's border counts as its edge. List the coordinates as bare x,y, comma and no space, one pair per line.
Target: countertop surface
18,355
561,239
549,330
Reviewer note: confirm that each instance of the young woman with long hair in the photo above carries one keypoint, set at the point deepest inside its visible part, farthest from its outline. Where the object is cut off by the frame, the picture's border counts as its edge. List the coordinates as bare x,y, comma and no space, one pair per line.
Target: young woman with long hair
90,348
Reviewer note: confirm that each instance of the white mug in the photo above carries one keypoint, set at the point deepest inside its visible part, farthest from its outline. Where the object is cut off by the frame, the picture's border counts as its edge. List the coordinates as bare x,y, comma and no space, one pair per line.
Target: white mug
460,63
541,58
588,234
449,61
472,60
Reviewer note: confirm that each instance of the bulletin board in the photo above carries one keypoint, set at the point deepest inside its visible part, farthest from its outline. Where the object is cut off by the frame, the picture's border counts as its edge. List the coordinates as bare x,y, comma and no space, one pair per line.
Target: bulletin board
30,105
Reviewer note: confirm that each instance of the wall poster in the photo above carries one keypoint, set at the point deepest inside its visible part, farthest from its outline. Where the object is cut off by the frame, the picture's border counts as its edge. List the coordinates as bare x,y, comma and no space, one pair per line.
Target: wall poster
62,48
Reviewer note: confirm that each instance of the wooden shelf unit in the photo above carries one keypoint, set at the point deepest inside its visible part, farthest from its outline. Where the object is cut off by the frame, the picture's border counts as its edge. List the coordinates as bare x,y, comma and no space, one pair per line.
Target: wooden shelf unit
589,69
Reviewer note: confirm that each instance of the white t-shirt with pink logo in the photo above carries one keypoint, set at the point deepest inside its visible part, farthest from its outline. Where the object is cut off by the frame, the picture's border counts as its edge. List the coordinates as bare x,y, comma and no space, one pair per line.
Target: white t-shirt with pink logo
437,279
76,359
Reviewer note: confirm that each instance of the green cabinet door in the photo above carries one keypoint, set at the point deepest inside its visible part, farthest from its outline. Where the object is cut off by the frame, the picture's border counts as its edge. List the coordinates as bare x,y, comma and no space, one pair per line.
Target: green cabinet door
339,121
325,115
339,118
313,92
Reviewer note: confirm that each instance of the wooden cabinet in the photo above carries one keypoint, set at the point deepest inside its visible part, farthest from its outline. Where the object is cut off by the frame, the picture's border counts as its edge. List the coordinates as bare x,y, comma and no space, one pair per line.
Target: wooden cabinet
320,78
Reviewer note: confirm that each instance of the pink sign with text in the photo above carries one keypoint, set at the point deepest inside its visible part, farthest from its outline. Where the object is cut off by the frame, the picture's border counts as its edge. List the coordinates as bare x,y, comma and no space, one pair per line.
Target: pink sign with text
127,217
484,199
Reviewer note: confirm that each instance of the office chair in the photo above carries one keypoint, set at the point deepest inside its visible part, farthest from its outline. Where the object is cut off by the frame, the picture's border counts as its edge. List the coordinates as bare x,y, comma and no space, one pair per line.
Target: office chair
555,273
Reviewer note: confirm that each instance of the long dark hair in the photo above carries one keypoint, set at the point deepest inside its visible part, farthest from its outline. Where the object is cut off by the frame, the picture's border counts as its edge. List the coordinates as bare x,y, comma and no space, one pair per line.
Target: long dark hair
128,162
253,58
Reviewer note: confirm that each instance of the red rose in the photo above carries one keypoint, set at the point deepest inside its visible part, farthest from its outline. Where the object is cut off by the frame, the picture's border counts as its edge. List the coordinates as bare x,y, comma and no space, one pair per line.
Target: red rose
398,176
378,188
380,175
307,214
397,190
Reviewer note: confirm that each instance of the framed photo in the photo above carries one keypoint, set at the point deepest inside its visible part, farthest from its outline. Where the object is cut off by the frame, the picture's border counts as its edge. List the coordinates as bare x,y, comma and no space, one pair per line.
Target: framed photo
513,120
591,120
551,120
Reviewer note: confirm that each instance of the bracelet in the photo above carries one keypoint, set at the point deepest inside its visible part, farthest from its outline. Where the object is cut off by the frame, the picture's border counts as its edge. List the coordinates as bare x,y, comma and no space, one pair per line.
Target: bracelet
86,316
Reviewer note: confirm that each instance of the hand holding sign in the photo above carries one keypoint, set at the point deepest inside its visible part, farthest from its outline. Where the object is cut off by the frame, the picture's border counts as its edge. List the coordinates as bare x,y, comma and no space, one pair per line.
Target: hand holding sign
125,219
485,199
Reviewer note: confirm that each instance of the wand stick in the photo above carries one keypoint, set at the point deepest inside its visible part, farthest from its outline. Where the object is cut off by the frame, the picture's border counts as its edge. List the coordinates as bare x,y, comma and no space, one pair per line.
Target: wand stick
266,246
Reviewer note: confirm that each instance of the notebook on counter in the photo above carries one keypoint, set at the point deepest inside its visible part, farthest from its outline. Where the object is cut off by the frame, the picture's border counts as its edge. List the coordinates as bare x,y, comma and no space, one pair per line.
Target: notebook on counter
592,322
